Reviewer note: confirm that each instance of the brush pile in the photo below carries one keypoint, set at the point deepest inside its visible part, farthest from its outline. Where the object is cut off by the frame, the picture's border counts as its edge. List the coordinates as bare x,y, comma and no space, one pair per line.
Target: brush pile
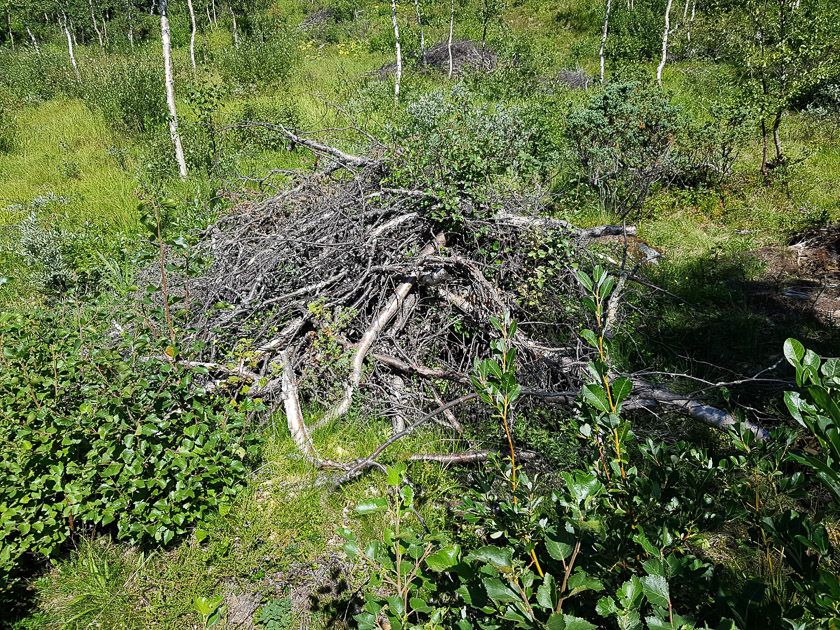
344,292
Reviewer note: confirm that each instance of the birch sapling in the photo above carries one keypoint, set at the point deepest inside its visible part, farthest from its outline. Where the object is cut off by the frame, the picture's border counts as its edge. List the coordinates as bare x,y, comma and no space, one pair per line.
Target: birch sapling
451,31
170,90
398,73
192,33
665,34
604,31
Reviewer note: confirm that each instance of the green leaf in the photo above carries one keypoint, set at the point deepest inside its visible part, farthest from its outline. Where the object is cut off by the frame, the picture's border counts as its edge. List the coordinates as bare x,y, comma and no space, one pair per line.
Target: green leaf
500,558
656,590
590,337
558,550
547,592
498,591
581,581
606,607
621,388
371,506
444,558
596,397
794,352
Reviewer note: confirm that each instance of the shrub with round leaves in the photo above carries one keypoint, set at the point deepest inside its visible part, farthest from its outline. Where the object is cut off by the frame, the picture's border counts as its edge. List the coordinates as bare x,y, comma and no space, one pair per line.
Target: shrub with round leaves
96,434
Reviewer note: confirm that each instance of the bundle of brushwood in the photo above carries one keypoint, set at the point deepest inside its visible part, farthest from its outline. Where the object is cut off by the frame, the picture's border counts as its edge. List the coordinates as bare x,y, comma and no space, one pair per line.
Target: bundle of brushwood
344,292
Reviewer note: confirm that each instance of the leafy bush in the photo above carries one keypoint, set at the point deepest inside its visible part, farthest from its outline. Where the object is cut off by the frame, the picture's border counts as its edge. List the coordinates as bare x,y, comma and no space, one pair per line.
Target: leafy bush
636,30
32,77
259,64
97,433
129,91
629,141
451,145
624,141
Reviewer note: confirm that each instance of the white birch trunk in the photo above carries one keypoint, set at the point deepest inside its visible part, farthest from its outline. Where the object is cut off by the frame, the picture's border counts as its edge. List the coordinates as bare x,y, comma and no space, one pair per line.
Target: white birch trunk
215,17
9,26
95,25
422,34
604,31
398,74
70,48
192,33
691,19
234,28
170,91
664,43
451,31
130,28
34,41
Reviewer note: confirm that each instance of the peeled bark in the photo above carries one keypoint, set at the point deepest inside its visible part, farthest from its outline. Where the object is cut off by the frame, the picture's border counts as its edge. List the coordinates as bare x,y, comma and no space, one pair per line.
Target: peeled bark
604,31
665,34
70,47
398,73
451,31
170,90
192,33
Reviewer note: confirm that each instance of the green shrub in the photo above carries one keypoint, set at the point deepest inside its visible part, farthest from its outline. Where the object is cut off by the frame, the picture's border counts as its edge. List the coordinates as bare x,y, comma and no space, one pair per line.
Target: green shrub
259,64
95,432
32,77
629,141
129,91
452,146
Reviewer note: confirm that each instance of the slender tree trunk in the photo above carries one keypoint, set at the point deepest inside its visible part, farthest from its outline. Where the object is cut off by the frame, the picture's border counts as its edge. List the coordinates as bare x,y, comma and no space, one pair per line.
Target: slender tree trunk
422,34
104,19
398,74
70,47
215,17
192,33
170,90
9,27
234,28
96,26
604,31
130,28
152,7
777,141
209,19
664,42
691,19
451,32
34,41
764,168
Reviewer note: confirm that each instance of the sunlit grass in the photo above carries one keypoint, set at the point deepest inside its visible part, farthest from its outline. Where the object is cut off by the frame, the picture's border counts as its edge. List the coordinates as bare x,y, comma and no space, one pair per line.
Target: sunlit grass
65,149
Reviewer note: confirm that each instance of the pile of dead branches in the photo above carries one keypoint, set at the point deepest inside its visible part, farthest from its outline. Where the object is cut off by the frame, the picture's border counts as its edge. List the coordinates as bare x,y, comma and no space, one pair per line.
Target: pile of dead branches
344,292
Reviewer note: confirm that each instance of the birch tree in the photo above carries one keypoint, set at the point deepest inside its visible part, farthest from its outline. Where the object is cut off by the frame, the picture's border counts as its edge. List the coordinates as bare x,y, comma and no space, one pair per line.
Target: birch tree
422,34
451,31
96,26
604,31
235,28
192,33
33,40
70,51
398,73
170,89
665,34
